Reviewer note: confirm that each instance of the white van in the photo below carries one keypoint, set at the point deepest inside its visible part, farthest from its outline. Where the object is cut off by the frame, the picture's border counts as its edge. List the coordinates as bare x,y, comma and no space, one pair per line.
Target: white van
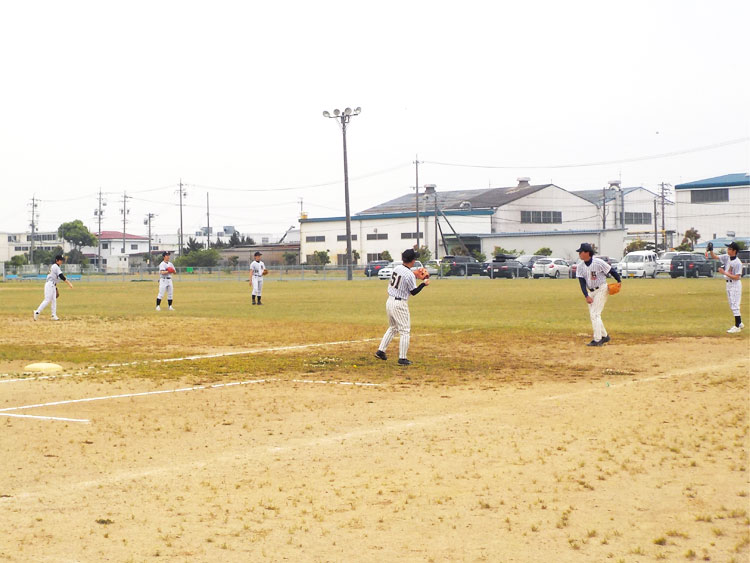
638,264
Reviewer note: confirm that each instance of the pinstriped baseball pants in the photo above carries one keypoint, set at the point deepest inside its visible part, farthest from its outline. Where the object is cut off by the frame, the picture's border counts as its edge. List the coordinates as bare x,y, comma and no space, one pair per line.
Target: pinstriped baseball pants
595,311
734,296
399,322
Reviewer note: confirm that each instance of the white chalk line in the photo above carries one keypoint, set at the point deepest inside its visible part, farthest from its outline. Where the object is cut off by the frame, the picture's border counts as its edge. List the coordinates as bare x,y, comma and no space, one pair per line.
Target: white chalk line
167,391
59,418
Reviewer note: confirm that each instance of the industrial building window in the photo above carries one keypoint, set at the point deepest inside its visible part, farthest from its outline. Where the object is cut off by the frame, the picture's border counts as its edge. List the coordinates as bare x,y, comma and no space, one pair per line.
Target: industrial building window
709,196
105,245
541,216
373,256
637,218
343,237
377,236
317,238
133,247
412,235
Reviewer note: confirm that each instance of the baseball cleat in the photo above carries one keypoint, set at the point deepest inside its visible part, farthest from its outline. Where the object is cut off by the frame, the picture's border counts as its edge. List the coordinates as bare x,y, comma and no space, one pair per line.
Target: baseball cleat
595,343
55,318
171,308
606,339
734,330
404,362
158,308
742,325
381,355
36,315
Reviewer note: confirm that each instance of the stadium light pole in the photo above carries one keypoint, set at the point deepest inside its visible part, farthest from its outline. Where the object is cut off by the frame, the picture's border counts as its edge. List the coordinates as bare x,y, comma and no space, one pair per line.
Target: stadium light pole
343,117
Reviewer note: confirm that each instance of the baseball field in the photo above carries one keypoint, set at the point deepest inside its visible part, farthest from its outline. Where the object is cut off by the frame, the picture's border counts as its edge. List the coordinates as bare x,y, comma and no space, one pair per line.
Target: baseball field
225,432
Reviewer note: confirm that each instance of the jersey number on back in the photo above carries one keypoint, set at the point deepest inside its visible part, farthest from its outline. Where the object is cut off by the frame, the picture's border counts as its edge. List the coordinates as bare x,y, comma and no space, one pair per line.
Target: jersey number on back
395,280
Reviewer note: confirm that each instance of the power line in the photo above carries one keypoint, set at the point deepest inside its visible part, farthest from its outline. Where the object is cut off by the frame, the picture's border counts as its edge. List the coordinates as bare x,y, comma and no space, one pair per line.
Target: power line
599,163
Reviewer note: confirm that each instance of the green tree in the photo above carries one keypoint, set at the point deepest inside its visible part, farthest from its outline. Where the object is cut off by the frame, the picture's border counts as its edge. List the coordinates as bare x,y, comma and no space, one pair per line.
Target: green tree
247,241
637,244
480,256
544,251
501,250
234,240
692,235
75,256
234,260
320,258
290,258
741,244
385,255
199,259
46,256
458,250
423,254
193,245
219,244
355,256
18,260
76,233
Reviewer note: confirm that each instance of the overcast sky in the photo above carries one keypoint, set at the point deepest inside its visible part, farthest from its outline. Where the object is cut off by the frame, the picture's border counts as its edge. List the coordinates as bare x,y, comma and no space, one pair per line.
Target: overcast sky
228,96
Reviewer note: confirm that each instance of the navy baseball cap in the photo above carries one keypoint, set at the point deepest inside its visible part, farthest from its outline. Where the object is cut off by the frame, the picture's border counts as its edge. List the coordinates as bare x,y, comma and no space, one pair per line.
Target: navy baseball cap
734,246
258,253
59,257
166,253
586,247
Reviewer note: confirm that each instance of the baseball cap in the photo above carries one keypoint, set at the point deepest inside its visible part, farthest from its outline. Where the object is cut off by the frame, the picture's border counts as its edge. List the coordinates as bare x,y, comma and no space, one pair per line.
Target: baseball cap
734,246
59,257
258,253
166,253
586,247
408,255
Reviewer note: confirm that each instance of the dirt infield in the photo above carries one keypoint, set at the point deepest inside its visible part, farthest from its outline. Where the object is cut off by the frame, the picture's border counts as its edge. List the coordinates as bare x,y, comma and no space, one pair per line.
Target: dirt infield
635,463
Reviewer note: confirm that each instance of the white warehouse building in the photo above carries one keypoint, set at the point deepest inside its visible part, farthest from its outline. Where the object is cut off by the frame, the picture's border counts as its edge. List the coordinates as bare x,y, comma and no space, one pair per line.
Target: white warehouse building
523,218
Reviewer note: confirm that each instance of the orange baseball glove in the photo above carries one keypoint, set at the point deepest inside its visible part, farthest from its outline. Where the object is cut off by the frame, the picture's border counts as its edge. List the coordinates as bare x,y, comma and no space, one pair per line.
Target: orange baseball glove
614,288
421,274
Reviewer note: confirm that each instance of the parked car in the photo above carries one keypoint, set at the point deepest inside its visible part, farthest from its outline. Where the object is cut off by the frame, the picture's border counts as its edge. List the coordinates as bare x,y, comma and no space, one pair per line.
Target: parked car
664,262
529,259
371,269
462,265
611,261
385,272
432,267
638,264
508,269
744,256
550,267
691,265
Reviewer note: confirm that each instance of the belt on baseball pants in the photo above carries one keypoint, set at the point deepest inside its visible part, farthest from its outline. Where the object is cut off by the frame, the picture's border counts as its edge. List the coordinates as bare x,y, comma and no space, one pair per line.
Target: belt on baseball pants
594,288
399,298
730,281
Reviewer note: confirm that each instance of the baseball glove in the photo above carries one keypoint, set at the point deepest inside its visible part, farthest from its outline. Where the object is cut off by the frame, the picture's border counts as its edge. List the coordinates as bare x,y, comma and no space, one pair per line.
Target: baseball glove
710,246
421,274
265,272
614,288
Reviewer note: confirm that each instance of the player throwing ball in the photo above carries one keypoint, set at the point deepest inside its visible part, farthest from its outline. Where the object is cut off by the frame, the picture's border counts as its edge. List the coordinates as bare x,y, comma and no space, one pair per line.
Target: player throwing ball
731,267
402,285
165,281
592,275
50,288
257,271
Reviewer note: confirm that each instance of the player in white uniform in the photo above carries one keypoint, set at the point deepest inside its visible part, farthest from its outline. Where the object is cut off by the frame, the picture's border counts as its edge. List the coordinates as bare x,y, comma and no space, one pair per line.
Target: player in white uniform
257,271
50,288
165,281
592,275
731,267
401,286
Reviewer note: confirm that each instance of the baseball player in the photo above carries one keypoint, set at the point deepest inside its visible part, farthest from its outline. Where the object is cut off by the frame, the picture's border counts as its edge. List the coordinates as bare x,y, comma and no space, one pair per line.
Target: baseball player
50,288
165,281
731,267
401,286
592,273
257,271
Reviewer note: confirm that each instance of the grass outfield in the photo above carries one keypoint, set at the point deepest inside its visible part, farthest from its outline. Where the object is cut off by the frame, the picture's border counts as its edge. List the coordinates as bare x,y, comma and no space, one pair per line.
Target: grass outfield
470,323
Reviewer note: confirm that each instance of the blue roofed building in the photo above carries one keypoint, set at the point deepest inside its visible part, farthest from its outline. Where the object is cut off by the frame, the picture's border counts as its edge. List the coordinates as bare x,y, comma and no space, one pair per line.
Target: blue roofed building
716,207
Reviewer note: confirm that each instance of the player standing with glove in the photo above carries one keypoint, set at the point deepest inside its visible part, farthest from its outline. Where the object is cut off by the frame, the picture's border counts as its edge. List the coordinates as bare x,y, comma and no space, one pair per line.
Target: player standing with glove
257,271
165,281
401,286
592,273
50,288
731,267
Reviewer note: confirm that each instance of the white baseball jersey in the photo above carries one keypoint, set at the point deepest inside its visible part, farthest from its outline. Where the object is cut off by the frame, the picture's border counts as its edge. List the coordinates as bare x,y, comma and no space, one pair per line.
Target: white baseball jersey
165,281
163,268
257,267
734,287
54,274
402,282
595,274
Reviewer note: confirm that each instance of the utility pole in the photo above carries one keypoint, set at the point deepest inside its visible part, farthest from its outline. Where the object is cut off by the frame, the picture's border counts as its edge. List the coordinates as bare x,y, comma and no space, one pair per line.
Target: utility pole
664,192
208,225
147,221
416,187
124,212
604,209
656,226
33,228
99,212
182,194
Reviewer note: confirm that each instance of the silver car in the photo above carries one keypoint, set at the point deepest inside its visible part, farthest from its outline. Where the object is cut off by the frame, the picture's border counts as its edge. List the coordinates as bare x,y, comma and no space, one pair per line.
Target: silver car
385,272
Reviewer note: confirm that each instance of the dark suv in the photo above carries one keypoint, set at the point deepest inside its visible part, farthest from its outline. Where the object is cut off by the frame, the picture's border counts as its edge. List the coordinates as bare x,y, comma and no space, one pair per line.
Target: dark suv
690,265
462,265
372,268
